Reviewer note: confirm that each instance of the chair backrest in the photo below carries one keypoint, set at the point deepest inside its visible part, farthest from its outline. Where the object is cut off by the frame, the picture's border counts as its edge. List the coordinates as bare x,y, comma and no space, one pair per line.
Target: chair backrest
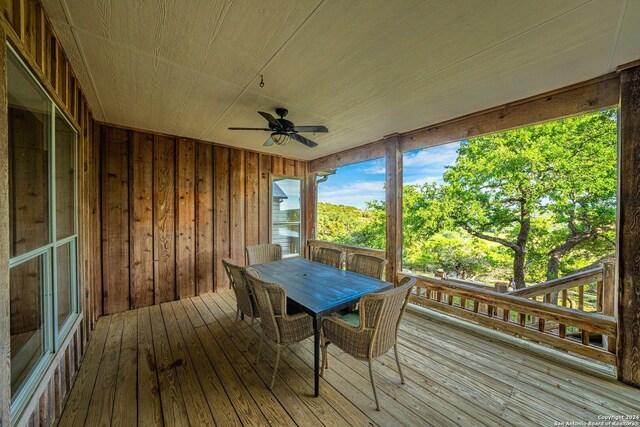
368,265
271,299
259,254
382,312
241,287
328,256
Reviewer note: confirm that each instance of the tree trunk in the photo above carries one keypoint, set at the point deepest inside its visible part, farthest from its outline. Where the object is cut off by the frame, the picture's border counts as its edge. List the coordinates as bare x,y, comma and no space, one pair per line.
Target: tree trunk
518,268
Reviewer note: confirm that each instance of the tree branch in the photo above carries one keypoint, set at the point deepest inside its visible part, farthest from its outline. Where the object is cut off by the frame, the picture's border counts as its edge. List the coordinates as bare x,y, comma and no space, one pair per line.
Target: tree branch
483,236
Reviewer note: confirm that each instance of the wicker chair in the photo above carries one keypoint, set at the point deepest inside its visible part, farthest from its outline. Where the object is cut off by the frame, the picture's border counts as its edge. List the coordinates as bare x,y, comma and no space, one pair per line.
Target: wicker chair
376,330
328,256
277,325
367,265
246,305
260,254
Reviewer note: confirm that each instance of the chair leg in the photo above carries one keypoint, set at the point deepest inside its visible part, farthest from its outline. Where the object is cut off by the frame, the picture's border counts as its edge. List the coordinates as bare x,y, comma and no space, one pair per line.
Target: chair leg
325,364
275,366
246,348
259,349
395,349
234,328
373,385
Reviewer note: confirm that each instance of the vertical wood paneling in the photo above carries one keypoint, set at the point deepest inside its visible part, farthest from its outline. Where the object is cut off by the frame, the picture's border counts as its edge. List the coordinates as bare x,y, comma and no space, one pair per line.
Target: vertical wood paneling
204,218
5,335
265,202
164,218
221,247
251,210
237,208
185,219
193,204
115,220
141,220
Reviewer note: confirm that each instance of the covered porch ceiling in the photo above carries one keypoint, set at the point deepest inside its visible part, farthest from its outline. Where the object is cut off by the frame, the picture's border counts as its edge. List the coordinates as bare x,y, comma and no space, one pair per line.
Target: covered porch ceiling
365,69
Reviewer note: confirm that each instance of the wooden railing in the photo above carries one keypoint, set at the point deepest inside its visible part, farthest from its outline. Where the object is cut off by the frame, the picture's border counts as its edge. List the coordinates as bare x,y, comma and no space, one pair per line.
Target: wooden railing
520,316
348,249
567,327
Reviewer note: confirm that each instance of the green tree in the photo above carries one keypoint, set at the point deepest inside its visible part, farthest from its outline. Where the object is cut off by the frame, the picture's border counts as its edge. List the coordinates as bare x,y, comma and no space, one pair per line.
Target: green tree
562,168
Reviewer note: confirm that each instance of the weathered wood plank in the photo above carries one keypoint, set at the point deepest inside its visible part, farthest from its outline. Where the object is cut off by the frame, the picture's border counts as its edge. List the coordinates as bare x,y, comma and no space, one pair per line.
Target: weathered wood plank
141,220
252,201
148,398
174,411
264,191
204,218
185,218
164,219
115,219
101,412
237,212
125,413
222,214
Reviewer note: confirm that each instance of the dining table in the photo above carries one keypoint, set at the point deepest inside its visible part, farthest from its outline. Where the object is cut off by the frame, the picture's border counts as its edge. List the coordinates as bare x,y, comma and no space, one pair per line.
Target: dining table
318,290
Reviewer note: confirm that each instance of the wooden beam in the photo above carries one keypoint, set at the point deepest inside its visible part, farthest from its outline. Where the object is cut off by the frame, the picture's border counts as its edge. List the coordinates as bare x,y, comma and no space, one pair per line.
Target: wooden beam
5,336
591,95
373,150
628,348
393,195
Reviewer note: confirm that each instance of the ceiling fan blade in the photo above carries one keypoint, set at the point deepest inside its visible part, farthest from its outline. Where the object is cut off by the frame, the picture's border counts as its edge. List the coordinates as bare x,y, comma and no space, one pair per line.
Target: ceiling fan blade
272,120
303,140
268,143
314,129
249,129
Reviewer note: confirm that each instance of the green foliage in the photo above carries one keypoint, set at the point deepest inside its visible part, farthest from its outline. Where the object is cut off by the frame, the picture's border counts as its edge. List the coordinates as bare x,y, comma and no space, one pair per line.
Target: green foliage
529,204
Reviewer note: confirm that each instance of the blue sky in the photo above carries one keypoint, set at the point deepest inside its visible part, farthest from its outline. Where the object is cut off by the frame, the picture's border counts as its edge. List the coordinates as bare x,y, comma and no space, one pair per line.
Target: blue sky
354,185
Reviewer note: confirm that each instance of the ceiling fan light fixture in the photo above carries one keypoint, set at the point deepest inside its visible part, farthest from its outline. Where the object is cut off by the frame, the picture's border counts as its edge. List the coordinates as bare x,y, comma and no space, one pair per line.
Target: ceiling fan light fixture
280,138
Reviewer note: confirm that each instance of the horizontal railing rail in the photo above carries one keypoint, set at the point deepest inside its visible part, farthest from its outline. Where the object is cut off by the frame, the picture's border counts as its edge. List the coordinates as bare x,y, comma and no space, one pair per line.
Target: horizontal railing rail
520,316
557,285
349,249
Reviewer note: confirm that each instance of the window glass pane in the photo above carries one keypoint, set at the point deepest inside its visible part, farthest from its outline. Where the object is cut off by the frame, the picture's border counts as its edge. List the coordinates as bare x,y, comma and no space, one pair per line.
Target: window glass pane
285,215
65,178
64,282
26,320
29,136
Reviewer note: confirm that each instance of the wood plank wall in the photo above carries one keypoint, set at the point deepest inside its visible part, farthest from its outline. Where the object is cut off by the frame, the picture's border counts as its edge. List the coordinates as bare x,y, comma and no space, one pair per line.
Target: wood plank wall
173,208
27,29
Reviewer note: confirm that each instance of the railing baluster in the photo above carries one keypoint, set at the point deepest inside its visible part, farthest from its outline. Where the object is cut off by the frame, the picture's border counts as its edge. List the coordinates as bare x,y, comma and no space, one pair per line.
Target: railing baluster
564,297
581,297
562,330
585,337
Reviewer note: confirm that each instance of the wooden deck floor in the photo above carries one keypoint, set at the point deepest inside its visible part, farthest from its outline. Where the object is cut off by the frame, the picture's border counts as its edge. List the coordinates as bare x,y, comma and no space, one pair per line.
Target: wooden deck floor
181,364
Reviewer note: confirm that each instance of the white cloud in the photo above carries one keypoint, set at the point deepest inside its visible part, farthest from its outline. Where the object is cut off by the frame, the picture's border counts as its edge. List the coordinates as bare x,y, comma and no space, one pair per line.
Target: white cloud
356,194
444,155
374,167
423,180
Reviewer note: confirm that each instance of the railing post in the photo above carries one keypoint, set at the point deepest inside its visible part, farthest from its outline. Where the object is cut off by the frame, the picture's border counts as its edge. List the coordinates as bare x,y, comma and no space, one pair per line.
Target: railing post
628,284
393,196
609,300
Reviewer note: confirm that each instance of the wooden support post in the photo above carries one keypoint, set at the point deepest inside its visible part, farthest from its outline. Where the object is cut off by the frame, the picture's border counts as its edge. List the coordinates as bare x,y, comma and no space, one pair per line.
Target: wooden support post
5,337
628,348
608,297
394,207
310,209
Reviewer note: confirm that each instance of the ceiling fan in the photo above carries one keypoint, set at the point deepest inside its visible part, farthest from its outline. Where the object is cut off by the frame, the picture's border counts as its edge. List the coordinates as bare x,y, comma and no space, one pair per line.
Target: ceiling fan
282,130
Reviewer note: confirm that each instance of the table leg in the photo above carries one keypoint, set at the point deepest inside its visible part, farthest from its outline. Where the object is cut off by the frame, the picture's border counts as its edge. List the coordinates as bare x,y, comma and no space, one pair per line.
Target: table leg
316,355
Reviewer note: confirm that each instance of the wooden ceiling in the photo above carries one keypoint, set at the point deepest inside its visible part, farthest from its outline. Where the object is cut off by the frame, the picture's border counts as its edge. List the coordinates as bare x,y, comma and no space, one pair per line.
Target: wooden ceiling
365,69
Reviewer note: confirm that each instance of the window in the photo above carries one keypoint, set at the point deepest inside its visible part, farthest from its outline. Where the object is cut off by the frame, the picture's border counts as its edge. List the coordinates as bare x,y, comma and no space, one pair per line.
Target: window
42,228
285,214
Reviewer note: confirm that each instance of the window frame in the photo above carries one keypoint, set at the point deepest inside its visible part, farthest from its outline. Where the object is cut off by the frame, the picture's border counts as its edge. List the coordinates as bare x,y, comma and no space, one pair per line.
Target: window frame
53,336
272,179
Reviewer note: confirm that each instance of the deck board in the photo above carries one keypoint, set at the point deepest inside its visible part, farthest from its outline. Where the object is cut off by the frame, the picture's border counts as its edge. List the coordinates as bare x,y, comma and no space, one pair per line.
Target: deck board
190,367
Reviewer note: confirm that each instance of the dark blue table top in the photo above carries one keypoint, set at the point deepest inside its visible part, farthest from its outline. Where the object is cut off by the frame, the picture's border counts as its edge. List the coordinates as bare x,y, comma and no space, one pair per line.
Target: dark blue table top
316,288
